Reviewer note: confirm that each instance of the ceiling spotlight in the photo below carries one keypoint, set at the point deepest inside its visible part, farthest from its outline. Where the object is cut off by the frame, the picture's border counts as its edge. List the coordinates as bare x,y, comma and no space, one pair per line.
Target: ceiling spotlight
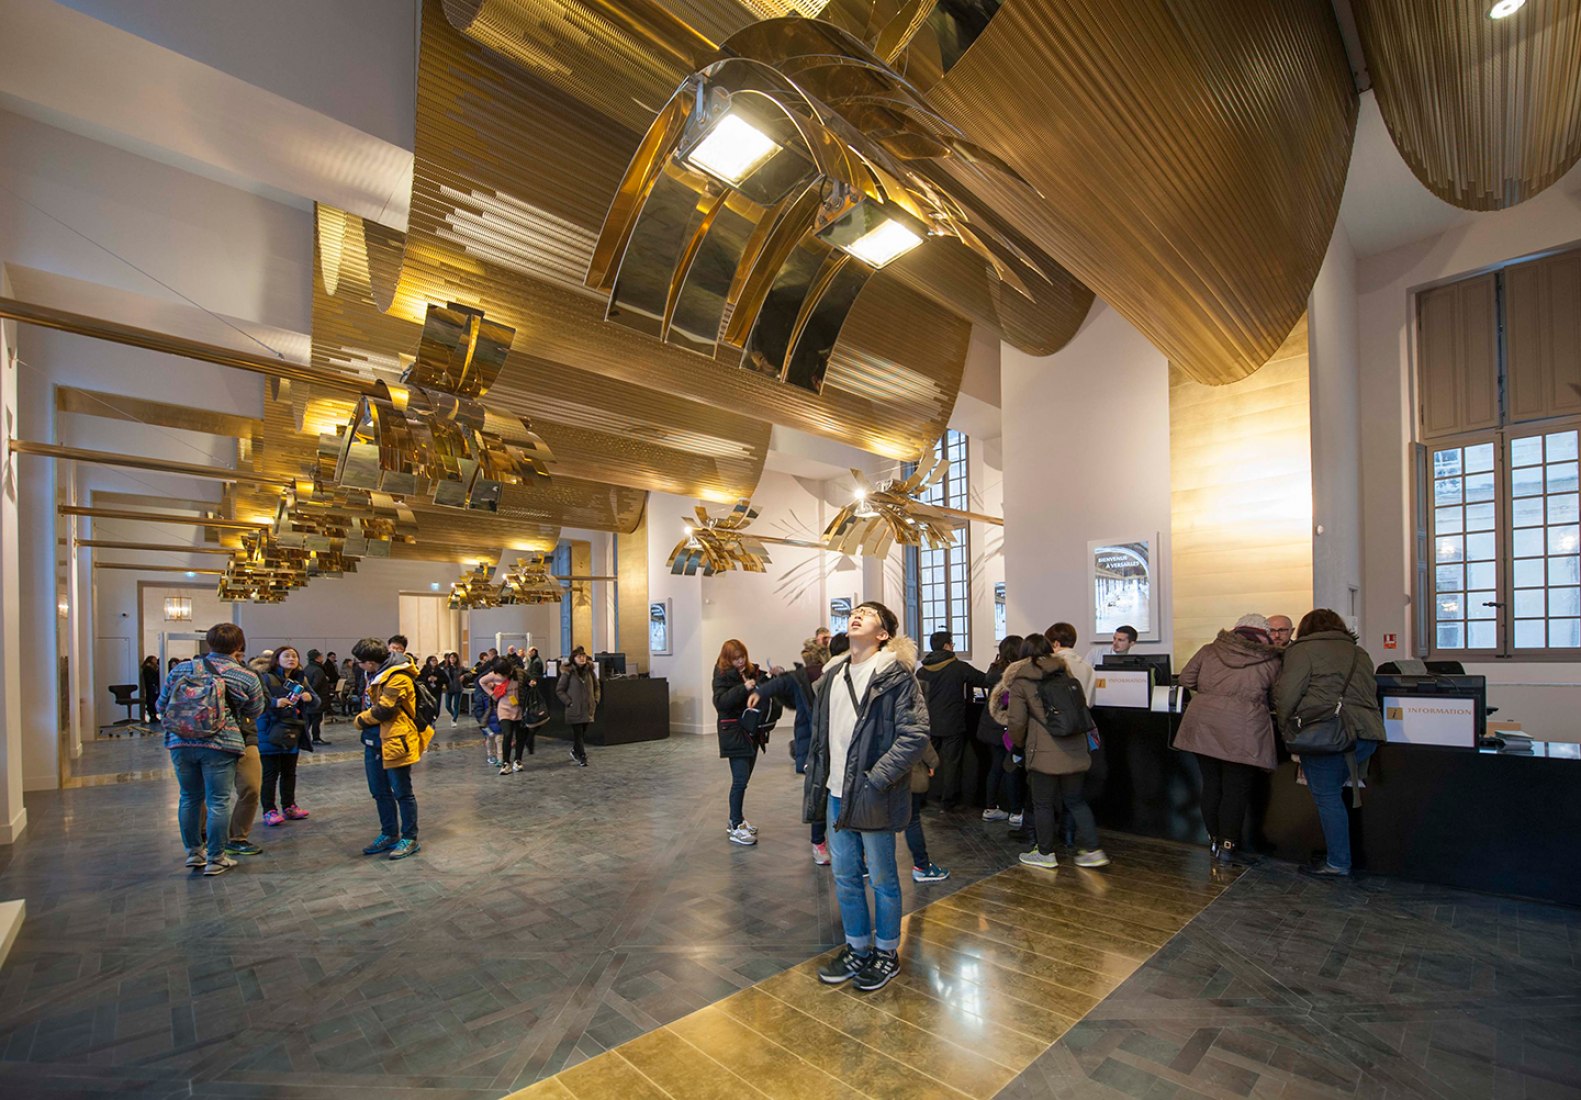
732,149
873,234
1505,8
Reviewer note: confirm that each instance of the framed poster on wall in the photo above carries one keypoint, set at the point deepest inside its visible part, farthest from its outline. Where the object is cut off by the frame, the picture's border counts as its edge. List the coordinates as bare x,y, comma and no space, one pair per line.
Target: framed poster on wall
659,628
1124,586
840,608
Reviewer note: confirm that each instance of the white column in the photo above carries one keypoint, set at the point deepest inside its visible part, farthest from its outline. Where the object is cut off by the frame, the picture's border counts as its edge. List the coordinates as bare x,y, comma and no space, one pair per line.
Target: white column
13,814
78,624
40,617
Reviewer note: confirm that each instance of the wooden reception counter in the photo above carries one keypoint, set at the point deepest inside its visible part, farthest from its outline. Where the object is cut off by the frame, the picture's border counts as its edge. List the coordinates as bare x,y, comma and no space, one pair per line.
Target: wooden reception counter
631,708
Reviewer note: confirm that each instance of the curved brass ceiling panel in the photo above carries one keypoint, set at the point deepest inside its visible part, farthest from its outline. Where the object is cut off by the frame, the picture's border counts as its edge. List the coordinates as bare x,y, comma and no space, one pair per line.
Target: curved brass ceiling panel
1486,112
1192,160
511,183
599,429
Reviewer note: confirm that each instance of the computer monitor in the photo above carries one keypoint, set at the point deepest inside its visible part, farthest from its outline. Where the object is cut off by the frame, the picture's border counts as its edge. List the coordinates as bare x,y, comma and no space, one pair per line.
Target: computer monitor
1443,710
610,664
1156,663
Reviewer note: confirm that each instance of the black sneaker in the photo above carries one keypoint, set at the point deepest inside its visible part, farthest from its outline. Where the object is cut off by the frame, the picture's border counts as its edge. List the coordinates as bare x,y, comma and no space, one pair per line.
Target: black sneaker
242,848
581,761
844,966
881,967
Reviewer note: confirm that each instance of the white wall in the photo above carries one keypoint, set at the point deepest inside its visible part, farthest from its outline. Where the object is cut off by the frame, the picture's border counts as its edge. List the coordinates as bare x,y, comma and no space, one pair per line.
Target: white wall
691,709
1542,695
13,814
1086,456
1332,355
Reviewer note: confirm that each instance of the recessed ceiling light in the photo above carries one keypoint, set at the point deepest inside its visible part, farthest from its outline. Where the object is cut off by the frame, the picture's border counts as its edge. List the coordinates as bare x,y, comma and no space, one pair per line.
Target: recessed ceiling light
1505,8
889,240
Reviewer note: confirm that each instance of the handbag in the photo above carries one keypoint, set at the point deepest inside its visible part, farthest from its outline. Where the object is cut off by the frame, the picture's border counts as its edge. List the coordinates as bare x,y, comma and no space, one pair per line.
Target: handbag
534,712
1319,728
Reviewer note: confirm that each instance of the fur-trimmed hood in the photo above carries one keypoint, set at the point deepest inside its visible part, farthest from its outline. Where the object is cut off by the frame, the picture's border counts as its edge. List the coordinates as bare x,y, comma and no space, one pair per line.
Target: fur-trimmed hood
901,651
1239,651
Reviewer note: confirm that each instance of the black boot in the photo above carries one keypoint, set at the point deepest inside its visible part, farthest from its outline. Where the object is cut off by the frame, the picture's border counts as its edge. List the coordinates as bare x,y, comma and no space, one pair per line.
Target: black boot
1230,855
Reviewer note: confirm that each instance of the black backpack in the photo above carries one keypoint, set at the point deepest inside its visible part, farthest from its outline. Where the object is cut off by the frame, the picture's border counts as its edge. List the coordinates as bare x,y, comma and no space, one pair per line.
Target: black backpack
425,706
1064,705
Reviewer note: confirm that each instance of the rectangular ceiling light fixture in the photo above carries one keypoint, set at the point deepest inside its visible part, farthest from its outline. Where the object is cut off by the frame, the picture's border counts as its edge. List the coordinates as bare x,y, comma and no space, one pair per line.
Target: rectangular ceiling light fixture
732,149
871,234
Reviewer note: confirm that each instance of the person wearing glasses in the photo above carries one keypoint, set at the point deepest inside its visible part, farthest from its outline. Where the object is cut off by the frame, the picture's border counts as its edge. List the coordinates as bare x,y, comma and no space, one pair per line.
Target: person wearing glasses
1280,628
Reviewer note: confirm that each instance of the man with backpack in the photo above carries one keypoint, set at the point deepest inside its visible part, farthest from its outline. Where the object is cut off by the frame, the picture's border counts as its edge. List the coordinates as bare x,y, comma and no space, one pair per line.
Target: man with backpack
203,707
396,726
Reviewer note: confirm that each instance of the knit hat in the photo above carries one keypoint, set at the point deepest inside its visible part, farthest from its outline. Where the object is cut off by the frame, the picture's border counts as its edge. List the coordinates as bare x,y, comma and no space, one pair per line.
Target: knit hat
1254,620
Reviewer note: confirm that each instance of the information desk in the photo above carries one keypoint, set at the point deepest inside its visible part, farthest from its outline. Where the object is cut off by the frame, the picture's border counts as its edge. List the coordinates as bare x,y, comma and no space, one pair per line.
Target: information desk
1483,819
629,709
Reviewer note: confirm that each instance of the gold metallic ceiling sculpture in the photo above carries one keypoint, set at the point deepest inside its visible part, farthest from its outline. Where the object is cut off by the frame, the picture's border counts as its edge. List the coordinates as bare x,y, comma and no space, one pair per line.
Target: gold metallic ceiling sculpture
718,545
1487,112
475,591
1192,154
311,516
531,582
432,435
890,512
772,186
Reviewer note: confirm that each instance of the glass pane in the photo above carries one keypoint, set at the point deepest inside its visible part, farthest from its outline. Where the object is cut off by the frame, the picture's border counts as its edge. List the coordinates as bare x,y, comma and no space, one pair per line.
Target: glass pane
1446,521
1564,603
1527,482
1482,635
1452,635
1529,634
1449,578
1564,540
1527,512
1477,605
1564,571
1526,452
1479,459
1564,633
1561,445
1529,542
1480,547
1452,548
1451,606
1479,487
1479,517
1446,490
1564,508
1446,463
1562,477
1529,603
1529,573
1480,575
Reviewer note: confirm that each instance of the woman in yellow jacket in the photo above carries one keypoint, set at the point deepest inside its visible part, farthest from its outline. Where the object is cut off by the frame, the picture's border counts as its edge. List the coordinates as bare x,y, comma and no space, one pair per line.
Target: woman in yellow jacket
391,744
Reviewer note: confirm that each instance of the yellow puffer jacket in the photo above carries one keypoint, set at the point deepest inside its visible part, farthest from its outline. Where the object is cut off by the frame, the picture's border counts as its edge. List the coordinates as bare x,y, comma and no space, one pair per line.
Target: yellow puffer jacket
400,741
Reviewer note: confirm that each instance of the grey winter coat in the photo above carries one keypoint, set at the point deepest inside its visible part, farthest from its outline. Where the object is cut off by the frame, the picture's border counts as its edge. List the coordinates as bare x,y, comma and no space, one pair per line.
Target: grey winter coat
1045,754
1228,717
1314,670
891,734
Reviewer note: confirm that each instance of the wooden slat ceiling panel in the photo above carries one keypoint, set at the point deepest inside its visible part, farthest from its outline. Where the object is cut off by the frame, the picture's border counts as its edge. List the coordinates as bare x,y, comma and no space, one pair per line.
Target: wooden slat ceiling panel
1486,112
1192,155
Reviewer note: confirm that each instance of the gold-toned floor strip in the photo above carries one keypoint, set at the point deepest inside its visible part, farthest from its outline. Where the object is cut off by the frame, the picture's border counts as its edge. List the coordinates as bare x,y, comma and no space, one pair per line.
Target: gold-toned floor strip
994,975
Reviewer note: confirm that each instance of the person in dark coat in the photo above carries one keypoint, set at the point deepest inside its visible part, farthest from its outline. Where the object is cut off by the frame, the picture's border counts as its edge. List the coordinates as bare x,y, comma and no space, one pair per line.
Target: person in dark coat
946,679
150,682
1316,667
735,680
1228,727
578,690
1004,782
798,688
870,727
319,685
282,733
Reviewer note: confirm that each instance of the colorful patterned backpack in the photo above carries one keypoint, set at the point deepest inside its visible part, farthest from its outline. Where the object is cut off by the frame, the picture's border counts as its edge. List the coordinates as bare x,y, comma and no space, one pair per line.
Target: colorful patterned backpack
195,708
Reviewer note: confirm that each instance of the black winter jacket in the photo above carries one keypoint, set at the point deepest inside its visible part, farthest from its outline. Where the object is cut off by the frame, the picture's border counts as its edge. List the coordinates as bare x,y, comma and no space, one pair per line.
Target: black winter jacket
730,699
946,678
990,732
891,735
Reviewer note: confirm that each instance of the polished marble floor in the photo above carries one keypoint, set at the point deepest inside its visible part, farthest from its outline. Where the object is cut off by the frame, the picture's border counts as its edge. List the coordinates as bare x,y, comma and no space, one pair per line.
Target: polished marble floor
590,933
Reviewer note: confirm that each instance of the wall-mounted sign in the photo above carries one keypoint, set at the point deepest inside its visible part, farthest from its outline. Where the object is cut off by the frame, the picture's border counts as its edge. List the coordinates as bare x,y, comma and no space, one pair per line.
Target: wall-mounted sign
659,628
840,609
1389,641
1124,589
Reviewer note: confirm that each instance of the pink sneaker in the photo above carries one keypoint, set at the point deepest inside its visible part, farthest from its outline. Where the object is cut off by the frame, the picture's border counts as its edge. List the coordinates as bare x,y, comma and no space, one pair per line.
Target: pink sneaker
820,854
273,817
295,813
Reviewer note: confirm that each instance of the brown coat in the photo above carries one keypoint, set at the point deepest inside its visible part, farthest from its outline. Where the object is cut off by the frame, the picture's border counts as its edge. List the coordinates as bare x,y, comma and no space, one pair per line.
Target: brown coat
1228,719
922,770
1045,753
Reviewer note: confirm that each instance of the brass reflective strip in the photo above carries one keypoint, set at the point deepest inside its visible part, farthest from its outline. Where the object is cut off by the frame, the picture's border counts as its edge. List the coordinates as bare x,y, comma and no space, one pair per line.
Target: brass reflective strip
117,406
153,548
160,517
158,568
137,462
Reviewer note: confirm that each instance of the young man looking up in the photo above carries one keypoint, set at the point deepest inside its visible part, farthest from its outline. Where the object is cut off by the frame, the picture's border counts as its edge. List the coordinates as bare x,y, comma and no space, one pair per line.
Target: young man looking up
870,725
392,743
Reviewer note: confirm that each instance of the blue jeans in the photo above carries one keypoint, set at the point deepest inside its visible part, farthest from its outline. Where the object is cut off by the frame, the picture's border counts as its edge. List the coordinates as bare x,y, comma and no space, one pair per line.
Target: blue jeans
740,775
206,776
1004,788
847,850
453,705
391,789
1326,775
